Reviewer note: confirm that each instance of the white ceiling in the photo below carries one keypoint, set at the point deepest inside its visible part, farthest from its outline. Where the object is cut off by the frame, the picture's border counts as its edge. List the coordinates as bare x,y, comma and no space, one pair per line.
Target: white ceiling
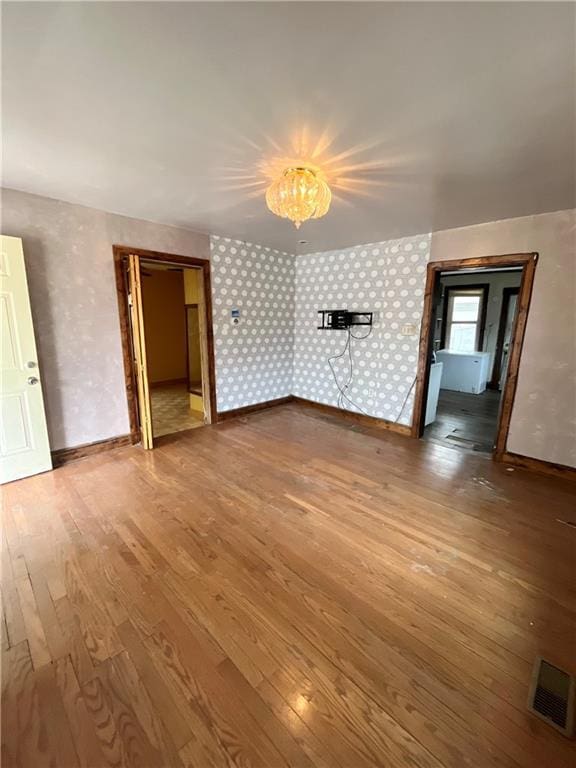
428,115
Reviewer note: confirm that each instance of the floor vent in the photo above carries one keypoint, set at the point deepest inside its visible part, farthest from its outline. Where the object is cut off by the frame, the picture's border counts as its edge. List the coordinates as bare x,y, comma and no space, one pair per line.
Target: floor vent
552,696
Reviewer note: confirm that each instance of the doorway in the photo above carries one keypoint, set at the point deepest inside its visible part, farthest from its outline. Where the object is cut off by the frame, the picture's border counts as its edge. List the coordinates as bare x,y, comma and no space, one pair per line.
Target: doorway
475,314
166,321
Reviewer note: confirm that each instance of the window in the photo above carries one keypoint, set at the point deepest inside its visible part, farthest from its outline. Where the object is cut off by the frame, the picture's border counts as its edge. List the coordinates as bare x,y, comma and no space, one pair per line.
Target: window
464,319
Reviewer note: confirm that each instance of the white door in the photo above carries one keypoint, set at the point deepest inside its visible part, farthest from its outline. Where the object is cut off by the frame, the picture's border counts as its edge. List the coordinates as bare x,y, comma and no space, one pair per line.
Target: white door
24,446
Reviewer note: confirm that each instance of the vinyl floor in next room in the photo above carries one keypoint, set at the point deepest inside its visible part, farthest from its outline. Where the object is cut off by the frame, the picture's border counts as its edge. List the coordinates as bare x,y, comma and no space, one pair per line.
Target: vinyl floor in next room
284,590
171,410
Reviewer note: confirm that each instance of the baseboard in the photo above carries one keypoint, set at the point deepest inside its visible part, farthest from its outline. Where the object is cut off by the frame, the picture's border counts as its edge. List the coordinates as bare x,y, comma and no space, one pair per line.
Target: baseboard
358,418
167,382
235,412
66,455
537,465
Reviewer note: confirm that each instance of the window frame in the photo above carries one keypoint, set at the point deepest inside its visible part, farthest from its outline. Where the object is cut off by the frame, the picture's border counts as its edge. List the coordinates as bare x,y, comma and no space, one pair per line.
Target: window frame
483,289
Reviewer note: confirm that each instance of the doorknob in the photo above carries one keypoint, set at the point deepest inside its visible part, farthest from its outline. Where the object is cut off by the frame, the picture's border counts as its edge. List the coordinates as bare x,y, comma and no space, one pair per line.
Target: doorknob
32,380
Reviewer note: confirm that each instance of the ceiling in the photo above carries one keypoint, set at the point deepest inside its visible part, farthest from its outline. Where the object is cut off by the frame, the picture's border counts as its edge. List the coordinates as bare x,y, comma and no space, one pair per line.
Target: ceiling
426,115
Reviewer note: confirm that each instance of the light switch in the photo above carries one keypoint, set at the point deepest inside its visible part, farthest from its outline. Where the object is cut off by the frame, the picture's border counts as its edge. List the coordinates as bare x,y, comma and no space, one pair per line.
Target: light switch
408,330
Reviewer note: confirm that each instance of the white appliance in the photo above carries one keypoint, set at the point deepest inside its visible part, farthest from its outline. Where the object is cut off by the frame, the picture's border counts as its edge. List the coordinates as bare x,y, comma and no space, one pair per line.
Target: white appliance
433,392
464,371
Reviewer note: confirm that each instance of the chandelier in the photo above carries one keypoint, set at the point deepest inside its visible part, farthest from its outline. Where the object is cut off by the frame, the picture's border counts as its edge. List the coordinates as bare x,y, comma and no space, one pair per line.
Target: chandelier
299,194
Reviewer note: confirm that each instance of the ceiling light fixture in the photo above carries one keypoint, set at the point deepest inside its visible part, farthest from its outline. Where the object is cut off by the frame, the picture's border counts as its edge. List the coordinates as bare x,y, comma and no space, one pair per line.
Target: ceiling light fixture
301,193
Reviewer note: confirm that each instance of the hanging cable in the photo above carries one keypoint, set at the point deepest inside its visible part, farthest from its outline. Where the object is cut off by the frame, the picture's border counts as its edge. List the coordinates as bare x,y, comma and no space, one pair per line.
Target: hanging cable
342,390
405,401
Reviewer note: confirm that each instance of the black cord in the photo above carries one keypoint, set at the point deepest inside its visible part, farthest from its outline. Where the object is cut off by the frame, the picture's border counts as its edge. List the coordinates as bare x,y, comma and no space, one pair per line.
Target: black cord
338,357
342,390
342,396
360,338
405,400
340,400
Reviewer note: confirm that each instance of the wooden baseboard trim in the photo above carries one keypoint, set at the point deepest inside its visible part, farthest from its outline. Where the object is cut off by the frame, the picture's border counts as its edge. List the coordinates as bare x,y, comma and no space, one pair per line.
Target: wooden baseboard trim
167,382
358,418
236,412
66,455
537,465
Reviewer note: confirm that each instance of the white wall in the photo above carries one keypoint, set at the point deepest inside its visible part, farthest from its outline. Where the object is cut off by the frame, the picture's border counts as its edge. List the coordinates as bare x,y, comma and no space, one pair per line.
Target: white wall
254,359
68,253
543,423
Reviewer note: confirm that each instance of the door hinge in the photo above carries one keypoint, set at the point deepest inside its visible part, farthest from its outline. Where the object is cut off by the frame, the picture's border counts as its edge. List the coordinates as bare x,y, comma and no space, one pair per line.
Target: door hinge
129,299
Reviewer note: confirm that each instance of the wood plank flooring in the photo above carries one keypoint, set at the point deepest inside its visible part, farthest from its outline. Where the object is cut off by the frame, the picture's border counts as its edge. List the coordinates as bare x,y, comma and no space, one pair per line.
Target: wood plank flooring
465,421
284,590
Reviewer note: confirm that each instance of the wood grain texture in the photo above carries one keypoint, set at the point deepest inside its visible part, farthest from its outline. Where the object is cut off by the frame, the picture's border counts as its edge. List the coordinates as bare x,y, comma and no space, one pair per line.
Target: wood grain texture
63,456
284,590
359,418
538,465
246,409
140,359
516,343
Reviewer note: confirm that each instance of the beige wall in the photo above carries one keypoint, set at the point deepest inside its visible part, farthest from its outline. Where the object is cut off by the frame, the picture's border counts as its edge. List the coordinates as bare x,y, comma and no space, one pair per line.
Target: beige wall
543,422
68,253
164,324
194,295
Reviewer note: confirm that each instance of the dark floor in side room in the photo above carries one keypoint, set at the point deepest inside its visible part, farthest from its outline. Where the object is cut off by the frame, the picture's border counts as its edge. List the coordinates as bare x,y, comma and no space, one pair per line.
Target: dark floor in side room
465,421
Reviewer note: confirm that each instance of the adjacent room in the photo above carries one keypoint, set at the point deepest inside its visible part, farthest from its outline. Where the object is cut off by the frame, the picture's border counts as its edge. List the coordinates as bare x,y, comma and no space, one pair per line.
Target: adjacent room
288,384
171,310
473,319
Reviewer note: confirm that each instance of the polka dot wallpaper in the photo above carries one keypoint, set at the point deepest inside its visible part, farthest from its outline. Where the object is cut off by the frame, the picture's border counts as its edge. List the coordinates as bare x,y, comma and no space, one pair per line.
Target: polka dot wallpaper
276,349
254,359
387,278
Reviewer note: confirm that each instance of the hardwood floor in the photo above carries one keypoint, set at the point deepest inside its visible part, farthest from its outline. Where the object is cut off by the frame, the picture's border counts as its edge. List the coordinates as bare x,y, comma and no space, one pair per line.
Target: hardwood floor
284,590
466,421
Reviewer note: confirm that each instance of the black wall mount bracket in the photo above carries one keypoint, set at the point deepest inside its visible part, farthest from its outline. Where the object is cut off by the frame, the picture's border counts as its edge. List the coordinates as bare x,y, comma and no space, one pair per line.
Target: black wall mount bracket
341,319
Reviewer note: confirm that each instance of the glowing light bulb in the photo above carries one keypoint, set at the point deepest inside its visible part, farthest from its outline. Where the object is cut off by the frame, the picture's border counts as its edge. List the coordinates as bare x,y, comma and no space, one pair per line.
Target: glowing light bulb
299,194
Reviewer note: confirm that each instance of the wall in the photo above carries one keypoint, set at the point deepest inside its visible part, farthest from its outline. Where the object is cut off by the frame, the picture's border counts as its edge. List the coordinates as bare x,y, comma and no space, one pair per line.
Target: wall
68,252
543,423
194,295
254,359
497,282
386,277
164,325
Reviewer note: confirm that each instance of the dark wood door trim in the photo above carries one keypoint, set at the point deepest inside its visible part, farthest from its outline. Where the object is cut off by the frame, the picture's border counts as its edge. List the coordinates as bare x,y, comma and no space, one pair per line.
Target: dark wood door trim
525,260
485,288
497,369
120,253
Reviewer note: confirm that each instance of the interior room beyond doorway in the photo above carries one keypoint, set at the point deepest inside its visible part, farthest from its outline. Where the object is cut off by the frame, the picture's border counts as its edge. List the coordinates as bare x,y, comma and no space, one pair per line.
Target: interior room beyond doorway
472,324
171,300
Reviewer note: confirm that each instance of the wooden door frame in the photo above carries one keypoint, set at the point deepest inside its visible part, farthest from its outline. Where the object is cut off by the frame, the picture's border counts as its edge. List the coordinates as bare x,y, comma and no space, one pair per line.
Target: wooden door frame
528,263
121,253
507,292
